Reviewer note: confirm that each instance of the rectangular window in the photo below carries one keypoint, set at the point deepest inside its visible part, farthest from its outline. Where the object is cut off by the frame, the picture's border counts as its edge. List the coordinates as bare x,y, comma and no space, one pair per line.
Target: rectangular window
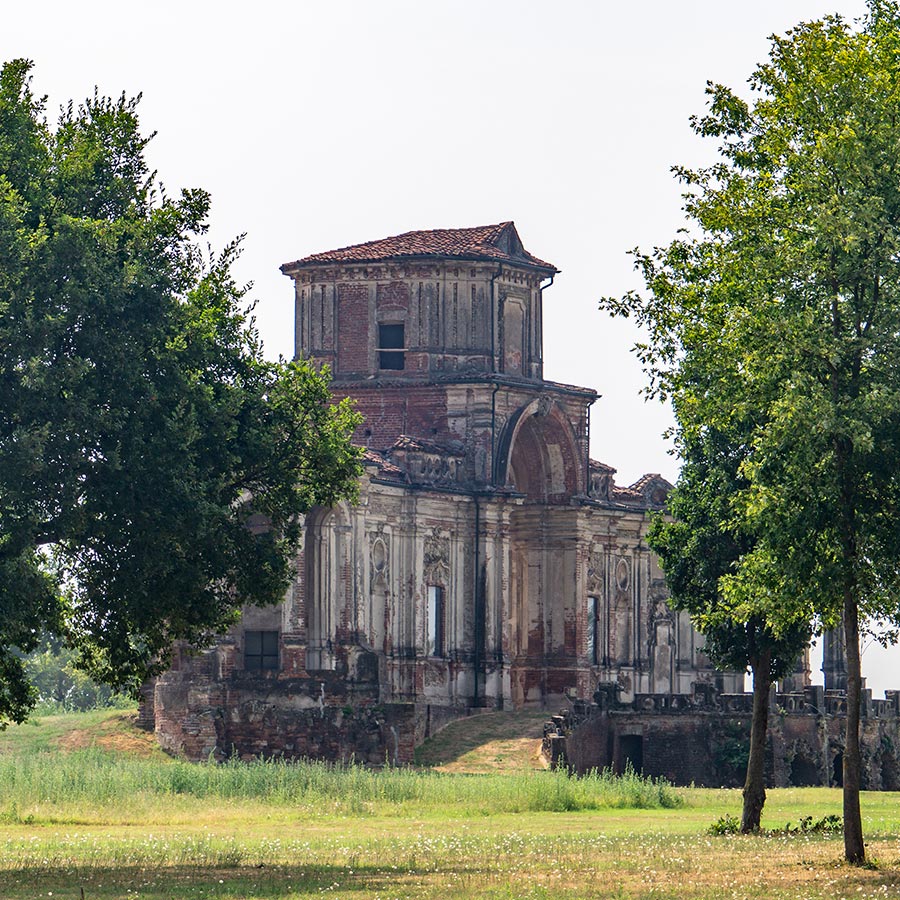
593,631
260,651
434,642
390,347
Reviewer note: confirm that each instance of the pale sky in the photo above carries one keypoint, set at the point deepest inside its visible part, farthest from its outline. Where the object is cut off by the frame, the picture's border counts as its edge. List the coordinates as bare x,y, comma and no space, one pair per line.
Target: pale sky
315,125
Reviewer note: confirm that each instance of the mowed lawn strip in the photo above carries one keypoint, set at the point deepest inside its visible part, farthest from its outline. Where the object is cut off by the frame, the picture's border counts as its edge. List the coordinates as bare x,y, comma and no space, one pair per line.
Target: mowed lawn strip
117,824
565,855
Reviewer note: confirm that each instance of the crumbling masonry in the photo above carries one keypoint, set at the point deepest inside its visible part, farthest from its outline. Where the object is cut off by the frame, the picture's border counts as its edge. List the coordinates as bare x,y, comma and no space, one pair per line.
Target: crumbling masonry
489,562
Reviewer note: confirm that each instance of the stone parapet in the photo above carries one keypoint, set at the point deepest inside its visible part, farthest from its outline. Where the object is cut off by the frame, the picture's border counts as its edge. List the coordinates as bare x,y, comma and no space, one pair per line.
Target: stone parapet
703,738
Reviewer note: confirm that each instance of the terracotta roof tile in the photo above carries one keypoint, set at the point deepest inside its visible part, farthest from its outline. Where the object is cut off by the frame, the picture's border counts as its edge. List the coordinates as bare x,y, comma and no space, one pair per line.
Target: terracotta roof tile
646,480
407,442
484,242
385,466
625,494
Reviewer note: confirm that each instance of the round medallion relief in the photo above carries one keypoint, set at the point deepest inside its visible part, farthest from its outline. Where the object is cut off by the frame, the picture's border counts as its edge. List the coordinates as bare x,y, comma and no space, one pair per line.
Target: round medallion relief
379,555
622,574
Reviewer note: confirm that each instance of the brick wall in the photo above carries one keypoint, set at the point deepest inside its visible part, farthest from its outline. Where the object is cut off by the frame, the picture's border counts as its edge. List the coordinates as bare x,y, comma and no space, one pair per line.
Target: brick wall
248,714
353,351
708,748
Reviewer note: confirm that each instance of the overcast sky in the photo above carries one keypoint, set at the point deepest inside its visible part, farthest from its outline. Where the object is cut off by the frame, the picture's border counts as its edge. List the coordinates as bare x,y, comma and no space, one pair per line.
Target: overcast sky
315,125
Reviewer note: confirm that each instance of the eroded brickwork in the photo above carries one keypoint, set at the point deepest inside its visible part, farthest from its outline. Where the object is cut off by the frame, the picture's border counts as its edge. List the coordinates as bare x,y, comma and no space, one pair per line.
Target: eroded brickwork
702,738
488,563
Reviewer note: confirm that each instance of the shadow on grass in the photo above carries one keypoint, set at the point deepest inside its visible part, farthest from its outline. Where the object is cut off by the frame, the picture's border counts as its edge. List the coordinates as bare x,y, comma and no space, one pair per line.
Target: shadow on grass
254,883
457,883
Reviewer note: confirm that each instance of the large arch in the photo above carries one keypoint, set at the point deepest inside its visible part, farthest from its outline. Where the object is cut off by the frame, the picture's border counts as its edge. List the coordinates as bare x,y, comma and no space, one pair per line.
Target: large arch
539,454
541,458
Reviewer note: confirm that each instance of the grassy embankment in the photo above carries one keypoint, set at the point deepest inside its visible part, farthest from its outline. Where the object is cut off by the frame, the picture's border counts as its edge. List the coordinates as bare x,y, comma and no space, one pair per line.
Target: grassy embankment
137,824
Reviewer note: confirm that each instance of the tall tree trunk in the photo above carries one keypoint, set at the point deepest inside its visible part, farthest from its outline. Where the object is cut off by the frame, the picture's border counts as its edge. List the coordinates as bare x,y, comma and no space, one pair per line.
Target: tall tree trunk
755,782
854,848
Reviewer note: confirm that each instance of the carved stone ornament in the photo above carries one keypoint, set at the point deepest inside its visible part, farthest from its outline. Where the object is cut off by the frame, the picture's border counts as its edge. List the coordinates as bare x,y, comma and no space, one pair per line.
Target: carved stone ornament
659,608
623,574
595,571
379,553
437,556
544,405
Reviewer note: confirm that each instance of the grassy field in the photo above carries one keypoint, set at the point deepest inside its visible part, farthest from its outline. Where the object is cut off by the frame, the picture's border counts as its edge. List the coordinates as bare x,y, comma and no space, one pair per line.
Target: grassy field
89,808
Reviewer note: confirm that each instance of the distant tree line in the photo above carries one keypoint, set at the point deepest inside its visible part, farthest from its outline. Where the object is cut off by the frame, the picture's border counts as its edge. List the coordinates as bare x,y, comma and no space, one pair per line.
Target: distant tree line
61,686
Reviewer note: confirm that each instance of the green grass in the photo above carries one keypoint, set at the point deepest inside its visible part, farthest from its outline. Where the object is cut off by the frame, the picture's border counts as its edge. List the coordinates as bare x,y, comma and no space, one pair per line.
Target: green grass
87,786
113,729
120,826
601,853
44,732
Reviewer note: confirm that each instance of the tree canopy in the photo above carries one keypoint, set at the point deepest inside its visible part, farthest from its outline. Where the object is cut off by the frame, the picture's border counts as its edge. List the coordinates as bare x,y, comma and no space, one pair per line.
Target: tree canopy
153,463
781,301
699,543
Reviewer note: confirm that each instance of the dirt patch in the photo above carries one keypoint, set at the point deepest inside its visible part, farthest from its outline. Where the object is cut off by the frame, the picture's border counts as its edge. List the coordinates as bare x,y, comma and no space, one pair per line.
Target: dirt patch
117,733
490,742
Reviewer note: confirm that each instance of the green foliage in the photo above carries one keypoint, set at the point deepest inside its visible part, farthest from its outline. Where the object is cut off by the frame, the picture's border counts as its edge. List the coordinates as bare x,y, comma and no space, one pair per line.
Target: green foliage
704,541
732,750
775,321
93,777
60,686
807,825
141,429
830,824
727,824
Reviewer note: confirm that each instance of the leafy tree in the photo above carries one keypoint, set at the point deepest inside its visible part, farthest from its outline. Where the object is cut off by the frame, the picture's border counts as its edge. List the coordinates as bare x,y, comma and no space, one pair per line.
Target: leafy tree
790,282
60,686
142,433
702,542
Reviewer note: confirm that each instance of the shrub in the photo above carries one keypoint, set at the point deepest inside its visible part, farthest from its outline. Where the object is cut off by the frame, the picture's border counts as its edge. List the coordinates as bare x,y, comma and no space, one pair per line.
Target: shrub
726,824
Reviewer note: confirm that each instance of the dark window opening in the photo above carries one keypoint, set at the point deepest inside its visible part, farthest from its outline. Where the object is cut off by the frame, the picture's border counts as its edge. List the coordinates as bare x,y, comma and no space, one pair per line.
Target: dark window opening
837,773
593,631
434,643
803,772
260,651
632,749
390,347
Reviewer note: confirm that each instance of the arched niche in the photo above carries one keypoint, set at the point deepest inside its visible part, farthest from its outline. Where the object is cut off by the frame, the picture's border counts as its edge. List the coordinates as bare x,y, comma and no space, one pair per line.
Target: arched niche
539,454
379,611
326,556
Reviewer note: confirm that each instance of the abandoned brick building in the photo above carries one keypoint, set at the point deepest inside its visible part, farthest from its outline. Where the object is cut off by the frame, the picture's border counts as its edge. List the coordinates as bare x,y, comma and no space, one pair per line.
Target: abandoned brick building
488,562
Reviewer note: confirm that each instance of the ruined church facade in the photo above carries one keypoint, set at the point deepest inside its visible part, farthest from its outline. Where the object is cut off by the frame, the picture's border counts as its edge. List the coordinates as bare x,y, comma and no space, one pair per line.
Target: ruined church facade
488,561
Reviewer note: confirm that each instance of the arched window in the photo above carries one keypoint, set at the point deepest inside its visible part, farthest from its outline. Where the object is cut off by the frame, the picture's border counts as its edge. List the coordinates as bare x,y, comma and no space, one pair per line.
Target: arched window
592,628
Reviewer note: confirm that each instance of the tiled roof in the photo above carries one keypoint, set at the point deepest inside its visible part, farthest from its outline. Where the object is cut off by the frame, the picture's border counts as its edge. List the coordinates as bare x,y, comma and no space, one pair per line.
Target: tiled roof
485,242
385,466
625,495
603,467
643,492
406,442
646,480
